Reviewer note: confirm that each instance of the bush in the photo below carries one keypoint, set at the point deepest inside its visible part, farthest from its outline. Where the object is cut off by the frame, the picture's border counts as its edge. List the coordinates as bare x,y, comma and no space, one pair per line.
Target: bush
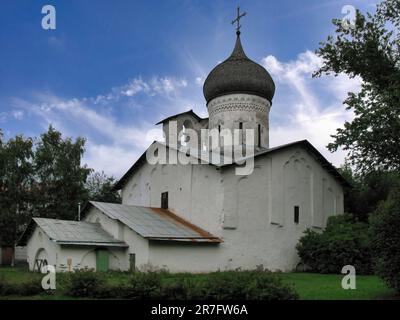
268,287
179,289
343,242
84,283
27,288
234,285
143,286
241,285
5,287
385,238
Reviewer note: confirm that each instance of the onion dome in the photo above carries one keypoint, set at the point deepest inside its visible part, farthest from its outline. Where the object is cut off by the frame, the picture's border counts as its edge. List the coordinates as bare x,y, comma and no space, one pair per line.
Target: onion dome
239,74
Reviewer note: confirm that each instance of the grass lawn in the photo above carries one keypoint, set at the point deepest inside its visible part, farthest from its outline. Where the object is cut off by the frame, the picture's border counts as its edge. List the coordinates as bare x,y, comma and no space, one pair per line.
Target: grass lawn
310,286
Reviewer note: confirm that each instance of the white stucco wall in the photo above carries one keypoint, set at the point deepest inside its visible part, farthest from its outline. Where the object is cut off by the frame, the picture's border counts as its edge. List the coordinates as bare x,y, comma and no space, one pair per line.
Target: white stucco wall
258,215
254,215
229,110
194,191
137,244
40,246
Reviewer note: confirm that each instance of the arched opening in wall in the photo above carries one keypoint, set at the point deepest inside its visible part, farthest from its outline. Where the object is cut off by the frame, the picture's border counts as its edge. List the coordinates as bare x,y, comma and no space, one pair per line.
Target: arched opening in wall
185,138
241,140
329,203
297,193
41,259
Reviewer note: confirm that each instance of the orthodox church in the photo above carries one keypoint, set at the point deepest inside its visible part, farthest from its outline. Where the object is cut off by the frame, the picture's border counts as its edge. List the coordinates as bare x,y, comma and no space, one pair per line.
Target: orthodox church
201,217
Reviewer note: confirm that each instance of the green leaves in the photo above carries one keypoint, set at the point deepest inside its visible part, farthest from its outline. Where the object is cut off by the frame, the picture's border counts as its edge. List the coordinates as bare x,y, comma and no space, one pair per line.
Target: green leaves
370,51
385,236
343,242
59,176
44,177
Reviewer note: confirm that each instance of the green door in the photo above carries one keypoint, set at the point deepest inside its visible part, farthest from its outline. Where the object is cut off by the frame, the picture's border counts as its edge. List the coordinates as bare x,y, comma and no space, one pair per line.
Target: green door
102,260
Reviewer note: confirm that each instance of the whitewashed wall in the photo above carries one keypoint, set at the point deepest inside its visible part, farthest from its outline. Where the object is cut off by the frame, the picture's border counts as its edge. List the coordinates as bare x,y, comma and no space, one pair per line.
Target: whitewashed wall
40,246
259,226
254,215
194,191
137,244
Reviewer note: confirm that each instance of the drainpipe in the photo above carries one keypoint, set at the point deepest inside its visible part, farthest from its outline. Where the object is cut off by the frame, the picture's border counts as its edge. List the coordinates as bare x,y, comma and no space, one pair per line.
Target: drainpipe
79,211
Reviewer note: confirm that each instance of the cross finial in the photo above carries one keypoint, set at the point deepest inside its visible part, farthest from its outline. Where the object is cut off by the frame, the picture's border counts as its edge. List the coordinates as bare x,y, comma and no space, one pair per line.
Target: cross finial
237,20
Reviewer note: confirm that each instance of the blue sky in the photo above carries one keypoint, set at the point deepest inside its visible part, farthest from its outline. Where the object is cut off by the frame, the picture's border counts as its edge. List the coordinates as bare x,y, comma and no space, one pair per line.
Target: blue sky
112,69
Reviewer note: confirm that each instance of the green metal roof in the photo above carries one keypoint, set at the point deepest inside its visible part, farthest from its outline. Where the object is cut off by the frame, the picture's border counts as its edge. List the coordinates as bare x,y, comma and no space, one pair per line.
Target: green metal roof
155,223
66,232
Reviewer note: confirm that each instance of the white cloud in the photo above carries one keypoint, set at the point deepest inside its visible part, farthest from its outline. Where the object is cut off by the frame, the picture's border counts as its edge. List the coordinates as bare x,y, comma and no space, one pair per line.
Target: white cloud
18,114
307,108
199,81
111,145
157,85
135,86
303,108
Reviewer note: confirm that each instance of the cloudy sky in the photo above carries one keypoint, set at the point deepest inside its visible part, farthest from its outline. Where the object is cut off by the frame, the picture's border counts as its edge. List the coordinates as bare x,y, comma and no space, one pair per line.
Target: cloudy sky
112,69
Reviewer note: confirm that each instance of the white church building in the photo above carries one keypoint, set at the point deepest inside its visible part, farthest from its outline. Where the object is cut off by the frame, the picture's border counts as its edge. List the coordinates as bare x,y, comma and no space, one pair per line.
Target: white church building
203,216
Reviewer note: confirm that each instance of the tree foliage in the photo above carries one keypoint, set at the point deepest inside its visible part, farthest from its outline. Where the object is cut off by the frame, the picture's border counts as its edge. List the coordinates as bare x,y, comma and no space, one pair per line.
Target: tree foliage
371,51
16,180
385,240
343,242
367,191
59,175
100,188
44,177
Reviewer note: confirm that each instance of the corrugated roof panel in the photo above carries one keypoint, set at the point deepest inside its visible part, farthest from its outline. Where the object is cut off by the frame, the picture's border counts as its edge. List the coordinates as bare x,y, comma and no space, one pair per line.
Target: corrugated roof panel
73,232
153,222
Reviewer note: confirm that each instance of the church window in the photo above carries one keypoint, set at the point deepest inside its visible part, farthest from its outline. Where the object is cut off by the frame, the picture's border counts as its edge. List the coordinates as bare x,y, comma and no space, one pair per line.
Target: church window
219,128
296,214
164,200
241,132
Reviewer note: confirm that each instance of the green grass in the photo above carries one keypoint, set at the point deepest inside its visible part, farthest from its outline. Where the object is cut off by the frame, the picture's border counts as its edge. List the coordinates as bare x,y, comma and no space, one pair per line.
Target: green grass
310,286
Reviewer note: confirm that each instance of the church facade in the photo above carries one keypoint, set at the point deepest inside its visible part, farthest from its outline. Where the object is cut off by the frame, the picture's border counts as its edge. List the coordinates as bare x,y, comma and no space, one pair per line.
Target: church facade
203,216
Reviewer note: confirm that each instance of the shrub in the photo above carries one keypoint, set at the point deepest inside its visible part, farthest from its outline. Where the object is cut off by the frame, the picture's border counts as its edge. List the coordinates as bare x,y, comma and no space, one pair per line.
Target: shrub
269,287
5,288
29,288
179,289
343,242
385,238
26,288
242,285
85,283
143,285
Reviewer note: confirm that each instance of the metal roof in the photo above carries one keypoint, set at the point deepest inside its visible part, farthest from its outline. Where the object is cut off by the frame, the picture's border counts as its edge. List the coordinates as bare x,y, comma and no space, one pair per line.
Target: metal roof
191,112
238,74
155,223
68,232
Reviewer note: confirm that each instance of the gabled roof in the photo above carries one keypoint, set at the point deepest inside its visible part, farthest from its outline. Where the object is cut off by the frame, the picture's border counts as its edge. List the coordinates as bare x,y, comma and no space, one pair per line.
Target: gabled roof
66,232
190,112
154,223
302,143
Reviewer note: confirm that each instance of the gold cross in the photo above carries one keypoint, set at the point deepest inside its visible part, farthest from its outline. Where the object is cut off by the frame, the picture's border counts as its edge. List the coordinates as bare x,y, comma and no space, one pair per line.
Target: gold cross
237,20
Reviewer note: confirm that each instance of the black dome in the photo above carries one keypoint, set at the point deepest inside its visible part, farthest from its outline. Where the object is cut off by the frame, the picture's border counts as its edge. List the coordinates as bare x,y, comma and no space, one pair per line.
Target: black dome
238,74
